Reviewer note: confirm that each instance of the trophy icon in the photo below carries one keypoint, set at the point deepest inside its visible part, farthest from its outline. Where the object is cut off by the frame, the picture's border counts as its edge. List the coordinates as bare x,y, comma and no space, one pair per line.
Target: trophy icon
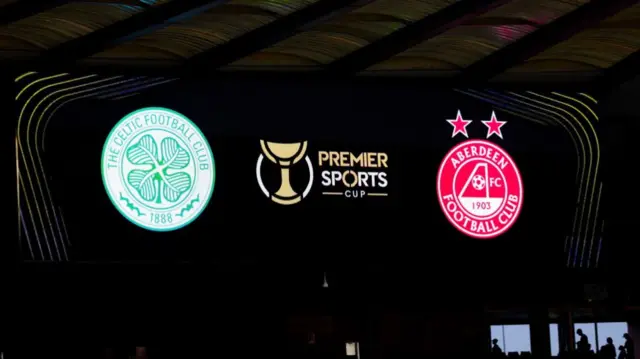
284,155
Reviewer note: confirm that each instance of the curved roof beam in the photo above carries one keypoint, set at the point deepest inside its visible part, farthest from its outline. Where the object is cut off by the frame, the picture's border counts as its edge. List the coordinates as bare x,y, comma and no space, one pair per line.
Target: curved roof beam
136,25
538,41
412,35
16,10
264,36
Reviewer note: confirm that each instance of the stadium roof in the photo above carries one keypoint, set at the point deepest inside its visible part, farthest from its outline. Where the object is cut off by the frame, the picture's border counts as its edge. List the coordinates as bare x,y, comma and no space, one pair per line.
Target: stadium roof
487,41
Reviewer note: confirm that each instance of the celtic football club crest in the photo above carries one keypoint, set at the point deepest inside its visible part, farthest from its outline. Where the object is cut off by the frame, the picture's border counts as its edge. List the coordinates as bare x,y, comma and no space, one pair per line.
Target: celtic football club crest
158,169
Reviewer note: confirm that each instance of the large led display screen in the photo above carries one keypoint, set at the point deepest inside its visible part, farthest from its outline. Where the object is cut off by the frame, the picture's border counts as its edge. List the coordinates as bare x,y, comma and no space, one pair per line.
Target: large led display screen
138,169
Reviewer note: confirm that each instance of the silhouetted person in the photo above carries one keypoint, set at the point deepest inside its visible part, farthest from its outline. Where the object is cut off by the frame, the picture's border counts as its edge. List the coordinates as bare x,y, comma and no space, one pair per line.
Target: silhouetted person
623,353
312,351
608,351
495,348
583,343
629,346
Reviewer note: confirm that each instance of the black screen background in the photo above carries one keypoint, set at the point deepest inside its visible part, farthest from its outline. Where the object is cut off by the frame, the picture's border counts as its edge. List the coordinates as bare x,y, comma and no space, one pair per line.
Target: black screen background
240,224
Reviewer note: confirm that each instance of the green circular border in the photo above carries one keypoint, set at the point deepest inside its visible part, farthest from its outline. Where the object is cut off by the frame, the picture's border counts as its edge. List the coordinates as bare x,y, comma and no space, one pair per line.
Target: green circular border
115,202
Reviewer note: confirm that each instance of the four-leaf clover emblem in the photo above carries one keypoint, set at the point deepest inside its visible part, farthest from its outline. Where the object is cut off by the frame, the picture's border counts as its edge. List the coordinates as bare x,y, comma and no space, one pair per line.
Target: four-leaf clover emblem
159,176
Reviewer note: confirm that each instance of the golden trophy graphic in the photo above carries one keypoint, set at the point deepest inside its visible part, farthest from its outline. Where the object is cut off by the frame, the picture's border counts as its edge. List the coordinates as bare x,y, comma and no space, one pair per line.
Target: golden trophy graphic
284,155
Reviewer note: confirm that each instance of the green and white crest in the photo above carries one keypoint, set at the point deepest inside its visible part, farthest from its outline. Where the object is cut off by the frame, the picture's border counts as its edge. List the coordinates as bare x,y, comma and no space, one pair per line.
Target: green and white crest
158,169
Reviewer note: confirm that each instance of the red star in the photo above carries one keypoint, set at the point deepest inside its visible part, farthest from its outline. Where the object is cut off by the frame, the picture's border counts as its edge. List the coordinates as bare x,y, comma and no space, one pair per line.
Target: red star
459,125
494,126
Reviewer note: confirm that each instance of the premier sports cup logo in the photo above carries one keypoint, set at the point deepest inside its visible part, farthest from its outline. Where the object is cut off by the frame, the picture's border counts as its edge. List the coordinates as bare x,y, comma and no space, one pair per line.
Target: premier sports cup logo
352,176
479,184
158,169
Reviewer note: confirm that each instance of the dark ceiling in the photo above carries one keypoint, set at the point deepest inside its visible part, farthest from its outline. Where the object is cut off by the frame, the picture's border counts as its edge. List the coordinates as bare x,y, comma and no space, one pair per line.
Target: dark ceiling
495,41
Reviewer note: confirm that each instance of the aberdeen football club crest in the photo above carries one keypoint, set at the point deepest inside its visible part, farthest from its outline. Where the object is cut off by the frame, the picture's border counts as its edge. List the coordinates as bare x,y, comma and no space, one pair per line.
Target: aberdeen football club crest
479,185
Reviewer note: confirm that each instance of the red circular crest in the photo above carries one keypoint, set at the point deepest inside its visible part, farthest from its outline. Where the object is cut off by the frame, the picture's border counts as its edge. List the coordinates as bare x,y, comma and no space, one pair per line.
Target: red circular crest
480,189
